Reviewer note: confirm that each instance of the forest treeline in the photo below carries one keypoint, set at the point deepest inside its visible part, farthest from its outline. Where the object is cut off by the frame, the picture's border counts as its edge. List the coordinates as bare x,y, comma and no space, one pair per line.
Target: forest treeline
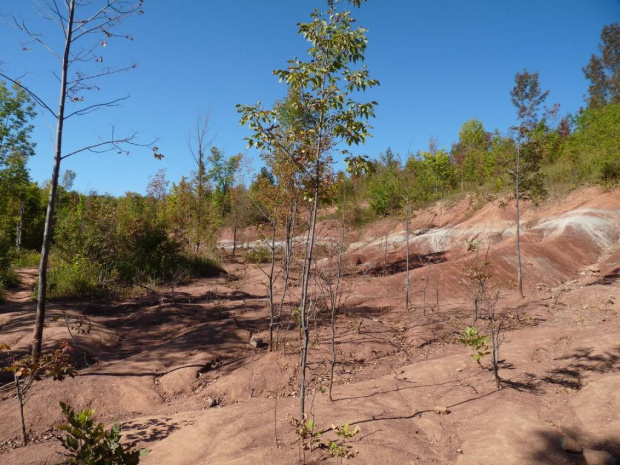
103,243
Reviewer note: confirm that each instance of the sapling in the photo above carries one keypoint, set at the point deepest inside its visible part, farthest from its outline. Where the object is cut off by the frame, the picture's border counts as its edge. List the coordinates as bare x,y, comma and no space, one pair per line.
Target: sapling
57,365
478,342
88,443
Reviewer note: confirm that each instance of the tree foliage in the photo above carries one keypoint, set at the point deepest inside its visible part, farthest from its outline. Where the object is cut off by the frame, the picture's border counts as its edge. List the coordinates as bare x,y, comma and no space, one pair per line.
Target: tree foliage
603,70
323,112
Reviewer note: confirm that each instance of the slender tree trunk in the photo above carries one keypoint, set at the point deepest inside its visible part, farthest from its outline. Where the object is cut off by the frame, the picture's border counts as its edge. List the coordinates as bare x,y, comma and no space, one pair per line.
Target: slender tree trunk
408,281
306,281
495,330
288,258
20,223
519,270
48,229
335,299
270,287
234,250
20,399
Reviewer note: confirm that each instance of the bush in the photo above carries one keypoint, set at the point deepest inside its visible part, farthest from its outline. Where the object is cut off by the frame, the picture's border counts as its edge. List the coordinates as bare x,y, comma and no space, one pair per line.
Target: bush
8,277
199,267
90,444
79,278
257,255
27,259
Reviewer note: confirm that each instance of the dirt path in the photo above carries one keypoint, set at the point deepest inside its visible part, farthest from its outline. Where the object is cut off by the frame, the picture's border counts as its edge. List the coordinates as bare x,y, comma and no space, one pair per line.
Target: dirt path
23,293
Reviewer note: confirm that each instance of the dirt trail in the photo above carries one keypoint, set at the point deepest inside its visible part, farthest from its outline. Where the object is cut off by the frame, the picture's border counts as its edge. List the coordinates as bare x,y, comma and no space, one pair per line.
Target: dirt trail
23,293
160,357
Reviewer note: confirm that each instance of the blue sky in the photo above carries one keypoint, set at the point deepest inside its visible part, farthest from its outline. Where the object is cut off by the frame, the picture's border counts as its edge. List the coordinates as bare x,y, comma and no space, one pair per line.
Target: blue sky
440,63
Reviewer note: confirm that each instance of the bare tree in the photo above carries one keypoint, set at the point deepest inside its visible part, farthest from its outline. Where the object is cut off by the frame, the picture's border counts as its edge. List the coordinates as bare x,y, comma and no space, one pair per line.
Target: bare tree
199,143
86,26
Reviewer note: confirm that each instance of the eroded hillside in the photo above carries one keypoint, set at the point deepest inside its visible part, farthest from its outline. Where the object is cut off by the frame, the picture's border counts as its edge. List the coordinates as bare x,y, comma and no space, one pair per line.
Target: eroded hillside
159,362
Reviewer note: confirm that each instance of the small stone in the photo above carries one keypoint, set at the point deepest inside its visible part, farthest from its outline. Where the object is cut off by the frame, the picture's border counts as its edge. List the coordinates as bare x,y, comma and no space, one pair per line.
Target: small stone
598,457
570,445
439,410
256,343
210,402
459,451
594,269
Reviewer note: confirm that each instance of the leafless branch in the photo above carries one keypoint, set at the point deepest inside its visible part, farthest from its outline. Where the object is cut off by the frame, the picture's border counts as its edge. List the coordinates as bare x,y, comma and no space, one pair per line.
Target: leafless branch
111,144
96,106
31,93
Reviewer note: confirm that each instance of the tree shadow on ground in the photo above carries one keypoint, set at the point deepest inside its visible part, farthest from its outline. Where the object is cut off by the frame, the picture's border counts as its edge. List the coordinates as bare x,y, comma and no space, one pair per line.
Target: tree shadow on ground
550,451
570,376
417,413
155,429
415,261
608,279
583,361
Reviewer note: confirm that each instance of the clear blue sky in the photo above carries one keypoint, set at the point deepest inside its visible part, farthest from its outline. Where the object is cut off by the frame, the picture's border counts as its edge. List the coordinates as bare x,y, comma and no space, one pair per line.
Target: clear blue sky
440,62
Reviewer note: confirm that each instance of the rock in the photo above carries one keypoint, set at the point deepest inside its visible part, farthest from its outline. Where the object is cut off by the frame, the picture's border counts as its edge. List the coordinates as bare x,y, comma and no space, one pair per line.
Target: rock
439,410
598,457
210,402
594,269
256,343
570,445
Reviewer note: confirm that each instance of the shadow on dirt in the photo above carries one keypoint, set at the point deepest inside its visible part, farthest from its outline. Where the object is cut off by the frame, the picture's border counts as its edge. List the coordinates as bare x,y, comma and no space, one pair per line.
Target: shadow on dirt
155,429
570,376
551,451
415,261
417,413
608,279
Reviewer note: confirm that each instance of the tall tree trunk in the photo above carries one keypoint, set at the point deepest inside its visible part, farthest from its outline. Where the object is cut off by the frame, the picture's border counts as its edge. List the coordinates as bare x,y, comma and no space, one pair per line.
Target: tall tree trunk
335,299
274,227
517,174
288,259
48,229
20,224
234,250
306,281
20,399
408,281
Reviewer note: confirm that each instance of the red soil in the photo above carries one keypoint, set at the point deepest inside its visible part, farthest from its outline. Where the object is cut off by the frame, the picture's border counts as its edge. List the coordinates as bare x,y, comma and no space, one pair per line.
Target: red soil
160,356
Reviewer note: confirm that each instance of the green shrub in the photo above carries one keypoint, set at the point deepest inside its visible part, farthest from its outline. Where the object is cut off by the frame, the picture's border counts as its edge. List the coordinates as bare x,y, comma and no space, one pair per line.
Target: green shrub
27,259
478,342
199,267
79,278
257,255
8,276
88,443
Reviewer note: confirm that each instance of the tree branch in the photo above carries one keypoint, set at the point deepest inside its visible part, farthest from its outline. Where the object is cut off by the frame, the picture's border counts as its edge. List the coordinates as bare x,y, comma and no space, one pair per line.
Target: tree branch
31,93
109,145
96,106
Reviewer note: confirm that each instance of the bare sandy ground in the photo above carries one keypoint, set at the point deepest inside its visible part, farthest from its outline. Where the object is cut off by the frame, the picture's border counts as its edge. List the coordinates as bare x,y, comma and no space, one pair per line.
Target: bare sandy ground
158,358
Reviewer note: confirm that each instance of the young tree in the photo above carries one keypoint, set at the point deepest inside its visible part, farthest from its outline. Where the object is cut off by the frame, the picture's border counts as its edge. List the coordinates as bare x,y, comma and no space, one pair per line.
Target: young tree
603,71
326,84
440,166
527,97
84,26
200,216
468,153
